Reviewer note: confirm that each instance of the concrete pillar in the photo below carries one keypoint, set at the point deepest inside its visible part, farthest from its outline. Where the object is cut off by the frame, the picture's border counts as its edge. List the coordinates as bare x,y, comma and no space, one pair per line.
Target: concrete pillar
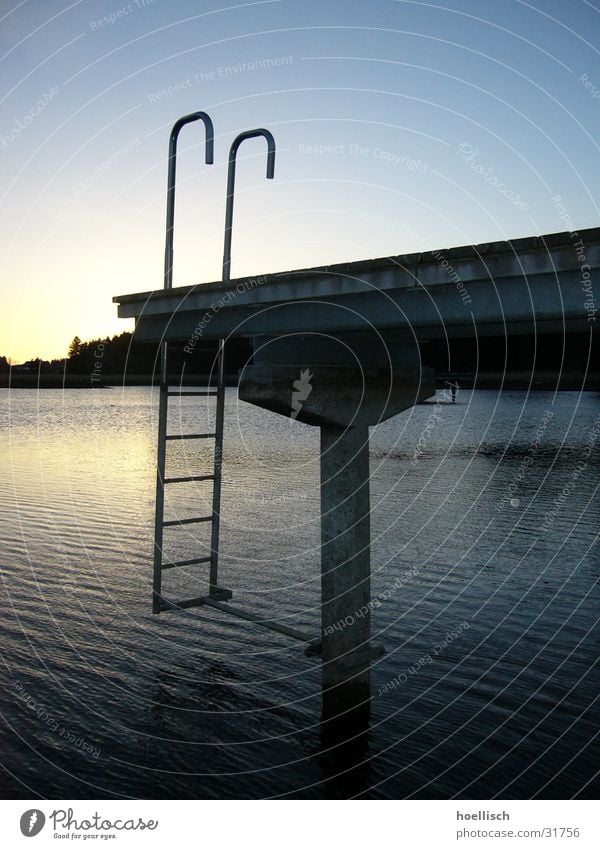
343,401
345,570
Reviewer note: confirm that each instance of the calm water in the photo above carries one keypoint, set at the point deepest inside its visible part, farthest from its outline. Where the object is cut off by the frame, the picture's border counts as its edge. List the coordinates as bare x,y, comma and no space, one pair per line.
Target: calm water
100,698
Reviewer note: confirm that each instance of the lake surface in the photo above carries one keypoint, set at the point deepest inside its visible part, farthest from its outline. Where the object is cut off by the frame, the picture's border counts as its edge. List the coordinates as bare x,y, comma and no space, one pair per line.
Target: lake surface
485,518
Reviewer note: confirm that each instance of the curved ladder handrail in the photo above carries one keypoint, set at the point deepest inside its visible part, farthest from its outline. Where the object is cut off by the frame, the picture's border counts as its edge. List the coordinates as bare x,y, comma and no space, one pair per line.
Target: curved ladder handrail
208,158
248,134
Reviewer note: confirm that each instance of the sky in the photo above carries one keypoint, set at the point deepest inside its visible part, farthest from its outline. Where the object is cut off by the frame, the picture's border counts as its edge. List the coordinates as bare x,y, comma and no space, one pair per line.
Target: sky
400,126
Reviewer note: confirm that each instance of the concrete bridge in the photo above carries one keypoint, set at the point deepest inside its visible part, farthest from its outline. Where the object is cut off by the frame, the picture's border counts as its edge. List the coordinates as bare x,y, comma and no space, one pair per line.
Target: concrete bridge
536,283
338,347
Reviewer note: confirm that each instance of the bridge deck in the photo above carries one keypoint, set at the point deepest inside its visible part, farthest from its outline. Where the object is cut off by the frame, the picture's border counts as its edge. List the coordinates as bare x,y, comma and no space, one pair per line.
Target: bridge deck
518,286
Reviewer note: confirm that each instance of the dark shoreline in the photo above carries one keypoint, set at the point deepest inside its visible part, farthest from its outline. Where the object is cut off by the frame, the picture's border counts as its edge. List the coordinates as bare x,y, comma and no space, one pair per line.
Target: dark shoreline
516,380
112,381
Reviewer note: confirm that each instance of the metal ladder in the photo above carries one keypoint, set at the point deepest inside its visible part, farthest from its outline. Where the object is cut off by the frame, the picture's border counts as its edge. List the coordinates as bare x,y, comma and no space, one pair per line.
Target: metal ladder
159,603
160,564
216,594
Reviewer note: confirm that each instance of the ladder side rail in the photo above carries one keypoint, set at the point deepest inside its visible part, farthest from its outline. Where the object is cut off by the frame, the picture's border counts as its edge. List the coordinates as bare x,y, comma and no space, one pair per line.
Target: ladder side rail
248,134
159,506
208,158
164,352
218,469
225,278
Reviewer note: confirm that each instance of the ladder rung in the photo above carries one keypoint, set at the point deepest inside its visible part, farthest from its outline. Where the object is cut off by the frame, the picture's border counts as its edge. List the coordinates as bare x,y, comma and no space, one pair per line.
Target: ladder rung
172,522
216,594
190,478
195,392
182,605
191,562
191,436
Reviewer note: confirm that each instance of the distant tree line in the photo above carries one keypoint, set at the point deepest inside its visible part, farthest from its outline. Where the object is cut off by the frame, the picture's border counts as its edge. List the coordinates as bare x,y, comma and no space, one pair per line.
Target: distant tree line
122,355
117,355
36,365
